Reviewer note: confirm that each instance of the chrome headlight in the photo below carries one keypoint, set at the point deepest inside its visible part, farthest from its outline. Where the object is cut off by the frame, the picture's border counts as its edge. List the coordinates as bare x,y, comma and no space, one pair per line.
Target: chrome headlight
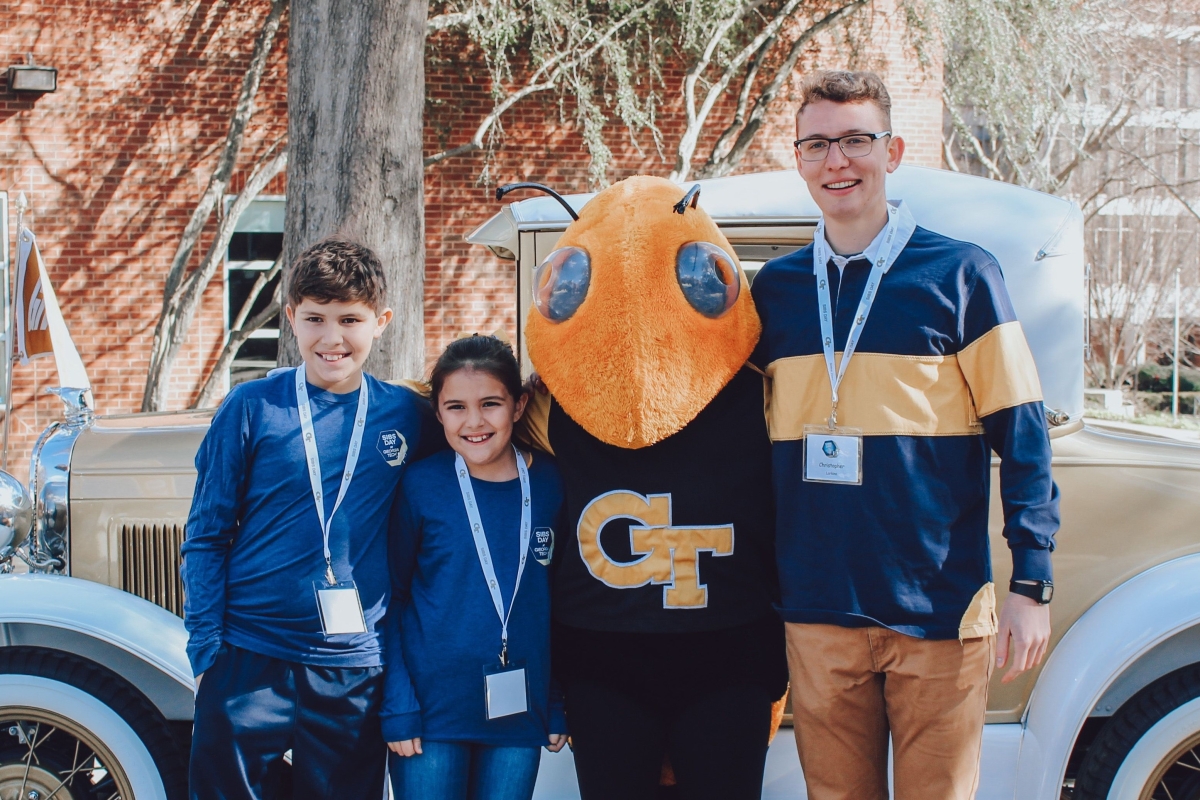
49,476
52,515
16,514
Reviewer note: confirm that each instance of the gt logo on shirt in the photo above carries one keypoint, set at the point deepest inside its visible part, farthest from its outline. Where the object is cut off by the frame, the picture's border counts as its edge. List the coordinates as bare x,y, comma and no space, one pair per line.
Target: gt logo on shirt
393,447
670,554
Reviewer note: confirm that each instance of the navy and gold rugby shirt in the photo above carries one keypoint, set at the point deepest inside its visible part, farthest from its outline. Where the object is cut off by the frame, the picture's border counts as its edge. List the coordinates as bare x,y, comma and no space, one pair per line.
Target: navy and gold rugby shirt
941,377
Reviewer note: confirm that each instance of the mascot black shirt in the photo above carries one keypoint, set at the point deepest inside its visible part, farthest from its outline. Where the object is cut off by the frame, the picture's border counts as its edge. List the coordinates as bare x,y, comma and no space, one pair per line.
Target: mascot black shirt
670,538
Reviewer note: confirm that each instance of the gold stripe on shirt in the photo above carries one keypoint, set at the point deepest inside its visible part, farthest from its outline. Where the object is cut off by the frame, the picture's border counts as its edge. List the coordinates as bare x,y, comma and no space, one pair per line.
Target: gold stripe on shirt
882,394
1000,369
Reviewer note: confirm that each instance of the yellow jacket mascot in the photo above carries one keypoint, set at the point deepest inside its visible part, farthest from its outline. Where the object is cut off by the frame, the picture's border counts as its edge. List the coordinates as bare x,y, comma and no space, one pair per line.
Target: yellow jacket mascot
665,639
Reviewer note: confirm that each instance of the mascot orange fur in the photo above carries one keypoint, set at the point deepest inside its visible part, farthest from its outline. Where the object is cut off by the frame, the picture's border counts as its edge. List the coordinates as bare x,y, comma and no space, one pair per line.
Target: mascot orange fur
665,639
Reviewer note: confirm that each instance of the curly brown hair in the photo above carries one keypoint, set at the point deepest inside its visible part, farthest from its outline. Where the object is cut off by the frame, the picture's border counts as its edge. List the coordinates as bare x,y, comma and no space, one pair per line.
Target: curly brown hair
844,86
338,270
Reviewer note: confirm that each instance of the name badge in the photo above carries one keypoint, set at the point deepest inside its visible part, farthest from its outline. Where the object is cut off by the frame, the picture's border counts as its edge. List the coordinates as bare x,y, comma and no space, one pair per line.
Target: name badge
504,690
340,608
833,456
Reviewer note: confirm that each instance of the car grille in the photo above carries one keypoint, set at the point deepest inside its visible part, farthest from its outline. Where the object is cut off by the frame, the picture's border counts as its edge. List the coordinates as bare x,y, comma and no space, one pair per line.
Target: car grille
150,562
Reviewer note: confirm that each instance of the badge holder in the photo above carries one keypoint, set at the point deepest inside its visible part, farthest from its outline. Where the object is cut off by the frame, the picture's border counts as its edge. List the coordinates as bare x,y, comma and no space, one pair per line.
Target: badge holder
340,608
833,454
505,689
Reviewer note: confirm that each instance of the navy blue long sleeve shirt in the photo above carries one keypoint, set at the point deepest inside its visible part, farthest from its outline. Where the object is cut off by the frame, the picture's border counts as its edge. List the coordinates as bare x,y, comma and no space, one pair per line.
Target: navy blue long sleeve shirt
443,628
942,377
254,547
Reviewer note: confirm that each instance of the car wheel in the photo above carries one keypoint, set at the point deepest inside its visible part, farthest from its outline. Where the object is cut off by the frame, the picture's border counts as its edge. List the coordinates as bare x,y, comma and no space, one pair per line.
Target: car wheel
1150,749
72,730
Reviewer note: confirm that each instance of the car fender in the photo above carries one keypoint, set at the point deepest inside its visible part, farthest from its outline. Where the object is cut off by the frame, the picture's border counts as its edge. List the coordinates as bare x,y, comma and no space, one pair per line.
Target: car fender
1103,644
144,644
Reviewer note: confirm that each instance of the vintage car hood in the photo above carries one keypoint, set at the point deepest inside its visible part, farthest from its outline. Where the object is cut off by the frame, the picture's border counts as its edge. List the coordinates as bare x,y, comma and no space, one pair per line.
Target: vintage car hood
138,455
1098,444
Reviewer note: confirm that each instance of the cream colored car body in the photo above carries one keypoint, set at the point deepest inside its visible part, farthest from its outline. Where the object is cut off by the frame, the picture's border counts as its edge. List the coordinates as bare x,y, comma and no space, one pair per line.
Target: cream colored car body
113,493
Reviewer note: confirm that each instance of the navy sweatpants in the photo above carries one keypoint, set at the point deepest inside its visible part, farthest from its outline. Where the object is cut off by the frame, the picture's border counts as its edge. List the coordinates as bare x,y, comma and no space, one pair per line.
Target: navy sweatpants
252,708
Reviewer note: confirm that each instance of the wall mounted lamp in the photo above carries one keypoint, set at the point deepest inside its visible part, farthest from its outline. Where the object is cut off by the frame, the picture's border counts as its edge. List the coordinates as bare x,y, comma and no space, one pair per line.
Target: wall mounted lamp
30,77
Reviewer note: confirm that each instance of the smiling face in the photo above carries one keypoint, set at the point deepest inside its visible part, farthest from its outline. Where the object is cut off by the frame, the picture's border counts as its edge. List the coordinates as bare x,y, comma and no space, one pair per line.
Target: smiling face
335,339
848,189
478,413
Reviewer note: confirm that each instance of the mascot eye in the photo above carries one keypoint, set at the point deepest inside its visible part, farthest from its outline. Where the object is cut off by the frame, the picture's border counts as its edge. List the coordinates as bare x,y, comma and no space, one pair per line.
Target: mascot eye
560,283
709,278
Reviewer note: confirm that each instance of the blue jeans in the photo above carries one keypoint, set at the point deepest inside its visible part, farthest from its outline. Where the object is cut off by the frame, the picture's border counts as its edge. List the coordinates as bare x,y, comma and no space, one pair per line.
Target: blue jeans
460,771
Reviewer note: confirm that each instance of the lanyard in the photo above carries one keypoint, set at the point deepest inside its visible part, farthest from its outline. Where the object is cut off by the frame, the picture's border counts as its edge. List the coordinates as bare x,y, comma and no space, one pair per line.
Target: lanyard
314,459
481,546
899,229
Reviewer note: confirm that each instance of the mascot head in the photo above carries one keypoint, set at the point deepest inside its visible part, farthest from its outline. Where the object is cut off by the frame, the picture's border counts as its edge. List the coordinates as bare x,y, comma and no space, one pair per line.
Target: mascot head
642,314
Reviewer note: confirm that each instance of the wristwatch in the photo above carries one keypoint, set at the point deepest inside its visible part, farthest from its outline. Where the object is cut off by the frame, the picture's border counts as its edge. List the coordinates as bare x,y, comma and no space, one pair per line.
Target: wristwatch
1041,591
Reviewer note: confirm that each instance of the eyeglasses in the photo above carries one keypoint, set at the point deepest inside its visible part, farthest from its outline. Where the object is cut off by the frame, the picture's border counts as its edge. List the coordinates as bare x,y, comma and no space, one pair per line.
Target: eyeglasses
854,145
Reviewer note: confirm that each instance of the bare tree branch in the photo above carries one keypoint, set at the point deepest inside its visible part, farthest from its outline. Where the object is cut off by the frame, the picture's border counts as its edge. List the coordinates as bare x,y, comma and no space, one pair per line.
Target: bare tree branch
1165,184
239,331
972,141
743,101
546,77
444,22
698,117
158,373
719,164
186,301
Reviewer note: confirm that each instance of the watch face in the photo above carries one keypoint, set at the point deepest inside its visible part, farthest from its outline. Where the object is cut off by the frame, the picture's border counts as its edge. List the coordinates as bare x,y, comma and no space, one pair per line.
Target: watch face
1047,592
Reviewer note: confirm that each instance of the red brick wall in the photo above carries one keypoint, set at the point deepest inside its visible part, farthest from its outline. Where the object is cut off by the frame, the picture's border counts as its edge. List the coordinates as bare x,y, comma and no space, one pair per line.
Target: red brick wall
111,165
113,162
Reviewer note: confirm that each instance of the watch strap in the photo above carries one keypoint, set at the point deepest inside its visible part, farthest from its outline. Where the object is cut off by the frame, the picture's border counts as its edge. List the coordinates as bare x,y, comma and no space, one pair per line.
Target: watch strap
1041,591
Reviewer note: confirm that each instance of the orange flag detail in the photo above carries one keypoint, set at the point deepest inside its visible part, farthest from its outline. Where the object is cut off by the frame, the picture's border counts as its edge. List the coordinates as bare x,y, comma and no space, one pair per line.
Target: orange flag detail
32,323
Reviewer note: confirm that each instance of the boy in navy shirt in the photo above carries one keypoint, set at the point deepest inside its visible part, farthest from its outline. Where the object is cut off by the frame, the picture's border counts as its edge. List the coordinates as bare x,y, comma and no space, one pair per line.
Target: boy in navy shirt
285,562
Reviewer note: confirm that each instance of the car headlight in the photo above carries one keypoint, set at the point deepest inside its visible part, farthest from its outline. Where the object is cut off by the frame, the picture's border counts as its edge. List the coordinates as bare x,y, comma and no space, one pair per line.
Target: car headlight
52,513
16,514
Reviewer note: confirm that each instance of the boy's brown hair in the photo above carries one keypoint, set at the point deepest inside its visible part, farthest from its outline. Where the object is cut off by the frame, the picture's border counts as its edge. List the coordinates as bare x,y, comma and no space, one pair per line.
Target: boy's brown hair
843,86
338,270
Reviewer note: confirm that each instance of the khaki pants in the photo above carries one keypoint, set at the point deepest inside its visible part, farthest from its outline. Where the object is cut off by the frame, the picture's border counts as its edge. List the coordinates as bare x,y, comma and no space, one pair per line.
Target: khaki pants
851,687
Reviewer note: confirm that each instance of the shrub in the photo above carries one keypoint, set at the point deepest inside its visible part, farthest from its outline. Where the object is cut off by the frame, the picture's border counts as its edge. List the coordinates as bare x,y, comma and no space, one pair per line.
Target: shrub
1157,378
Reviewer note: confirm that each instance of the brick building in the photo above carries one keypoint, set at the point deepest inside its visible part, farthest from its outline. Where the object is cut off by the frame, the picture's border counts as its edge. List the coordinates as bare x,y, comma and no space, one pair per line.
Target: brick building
113,162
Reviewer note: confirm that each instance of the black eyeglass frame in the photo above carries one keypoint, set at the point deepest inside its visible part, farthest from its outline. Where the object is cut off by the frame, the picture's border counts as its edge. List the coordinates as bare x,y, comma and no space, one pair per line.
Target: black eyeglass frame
838,141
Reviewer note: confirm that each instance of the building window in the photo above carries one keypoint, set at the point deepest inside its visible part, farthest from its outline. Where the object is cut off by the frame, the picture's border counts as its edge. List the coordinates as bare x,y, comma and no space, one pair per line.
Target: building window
256,244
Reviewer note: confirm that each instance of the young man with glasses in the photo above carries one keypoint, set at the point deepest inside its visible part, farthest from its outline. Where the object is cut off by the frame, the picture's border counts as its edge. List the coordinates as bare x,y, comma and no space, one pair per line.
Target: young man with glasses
896,367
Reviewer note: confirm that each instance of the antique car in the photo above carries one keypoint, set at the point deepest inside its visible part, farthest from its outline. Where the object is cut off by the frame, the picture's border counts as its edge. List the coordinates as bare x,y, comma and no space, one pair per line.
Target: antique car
96,695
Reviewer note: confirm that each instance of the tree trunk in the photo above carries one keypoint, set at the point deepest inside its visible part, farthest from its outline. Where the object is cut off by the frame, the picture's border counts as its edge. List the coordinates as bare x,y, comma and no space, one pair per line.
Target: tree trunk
356,89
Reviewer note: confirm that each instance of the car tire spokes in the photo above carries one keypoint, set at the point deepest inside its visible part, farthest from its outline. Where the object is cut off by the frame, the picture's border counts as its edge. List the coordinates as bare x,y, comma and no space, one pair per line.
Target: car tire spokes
57,763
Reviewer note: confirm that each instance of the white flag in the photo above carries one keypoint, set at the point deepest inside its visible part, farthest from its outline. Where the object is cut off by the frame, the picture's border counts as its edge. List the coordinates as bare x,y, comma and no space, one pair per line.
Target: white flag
40,328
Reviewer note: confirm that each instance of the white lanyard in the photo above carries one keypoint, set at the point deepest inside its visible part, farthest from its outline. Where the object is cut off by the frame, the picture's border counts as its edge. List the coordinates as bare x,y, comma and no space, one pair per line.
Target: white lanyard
314,459
481,546
883,259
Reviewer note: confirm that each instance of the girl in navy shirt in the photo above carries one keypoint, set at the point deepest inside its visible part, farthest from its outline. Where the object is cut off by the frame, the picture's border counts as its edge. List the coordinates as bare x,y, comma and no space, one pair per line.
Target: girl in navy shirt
468,698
